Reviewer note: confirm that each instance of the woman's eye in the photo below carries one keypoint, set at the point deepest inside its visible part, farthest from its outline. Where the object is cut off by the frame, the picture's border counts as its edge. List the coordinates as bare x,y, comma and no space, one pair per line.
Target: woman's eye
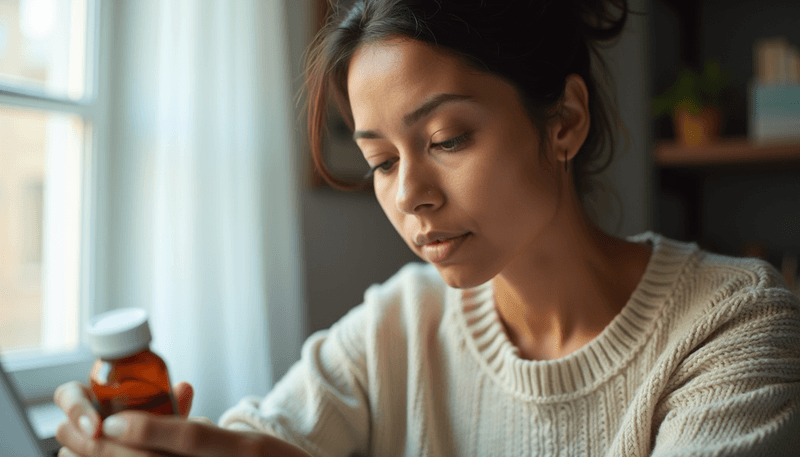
386,166
452,144
383,167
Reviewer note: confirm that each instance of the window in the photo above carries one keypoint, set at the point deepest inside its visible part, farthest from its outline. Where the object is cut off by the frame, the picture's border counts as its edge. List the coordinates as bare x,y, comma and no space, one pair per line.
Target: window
52,120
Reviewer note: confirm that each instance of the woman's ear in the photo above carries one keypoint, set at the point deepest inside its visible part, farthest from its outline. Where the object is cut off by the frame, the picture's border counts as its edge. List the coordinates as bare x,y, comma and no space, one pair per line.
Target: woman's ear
571,127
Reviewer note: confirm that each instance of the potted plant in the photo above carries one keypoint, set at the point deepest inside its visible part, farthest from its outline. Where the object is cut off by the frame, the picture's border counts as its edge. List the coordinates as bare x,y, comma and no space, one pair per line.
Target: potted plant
694,101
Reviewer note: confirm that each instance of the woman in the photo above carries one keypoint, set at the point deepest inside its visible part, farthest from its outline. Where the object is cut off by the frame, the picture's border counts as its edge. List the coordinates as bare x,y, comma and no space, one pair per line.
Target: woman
529,331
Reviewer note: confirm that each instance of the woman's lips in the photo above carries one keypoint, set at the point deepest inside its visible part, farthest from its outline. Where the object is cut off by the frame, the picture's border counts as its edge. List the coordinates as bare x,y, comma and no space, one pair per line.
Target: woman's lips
439,251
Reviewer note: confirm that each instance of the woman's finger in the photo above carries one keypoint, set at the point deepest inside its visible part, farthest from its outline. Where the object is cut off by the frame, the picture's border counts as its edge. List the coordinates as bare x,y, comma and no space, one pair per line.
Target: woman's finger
184,395
65,452
167,434
75,443
173,435
202,420
74,399
70,437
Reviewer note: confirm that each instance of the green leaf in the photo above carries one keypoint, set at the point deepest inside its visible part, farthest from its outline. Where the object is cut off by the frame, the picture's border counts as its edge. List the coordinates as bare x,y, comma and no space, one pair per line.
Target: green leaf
691,91
661,106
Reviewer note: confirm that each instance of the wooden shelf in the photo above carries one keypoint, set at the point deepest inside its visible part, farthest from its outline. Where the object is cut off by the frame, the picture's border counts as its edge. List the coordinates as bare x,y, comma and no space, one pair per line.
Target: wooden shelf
727,151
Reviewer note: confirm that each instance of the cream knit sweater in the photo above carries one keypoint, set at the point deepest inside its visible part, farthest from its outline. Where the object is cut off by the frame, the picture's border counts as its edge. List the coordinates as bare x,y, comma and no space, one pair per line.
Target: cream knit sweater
703,360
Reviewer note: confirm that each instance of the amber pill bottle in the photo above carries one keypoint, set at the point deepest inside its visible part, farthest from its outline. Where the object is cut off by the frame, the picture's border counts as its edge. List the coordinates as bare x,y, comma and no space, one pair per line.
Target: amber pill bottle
127,374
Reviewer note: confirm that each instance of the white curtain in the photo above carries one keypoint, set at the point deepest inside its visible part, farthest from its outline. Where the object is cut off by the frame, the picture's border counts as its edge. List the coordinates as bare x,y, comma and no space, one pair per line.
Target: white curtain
204,228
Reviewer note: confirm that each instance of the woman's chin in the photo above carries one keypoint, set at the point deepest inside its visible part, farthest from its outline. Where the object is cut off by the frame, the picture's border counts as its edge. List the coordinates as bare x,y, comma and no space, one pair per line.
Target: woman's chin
459,277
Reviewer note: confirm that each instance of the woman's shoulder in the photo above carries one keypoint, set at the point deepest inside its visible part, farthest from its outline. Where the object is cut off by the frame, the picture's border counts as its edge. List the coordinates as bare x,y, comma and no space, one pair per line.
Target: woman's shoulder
389,325
723,277
696,290
697,275
726,315
732,292
414,295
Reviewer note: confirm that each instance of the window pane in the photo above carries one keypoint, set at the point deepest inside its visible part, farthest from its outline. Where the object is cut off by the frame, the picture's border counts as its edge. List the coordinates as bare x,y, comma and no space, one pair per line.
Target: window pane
40,207
43,46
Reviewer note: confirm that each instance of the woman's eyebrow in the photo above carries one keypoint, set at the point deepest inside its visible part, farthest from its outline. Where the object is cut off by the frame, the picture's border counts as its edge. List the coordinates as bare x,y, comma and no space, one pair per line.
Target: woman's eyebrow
413,117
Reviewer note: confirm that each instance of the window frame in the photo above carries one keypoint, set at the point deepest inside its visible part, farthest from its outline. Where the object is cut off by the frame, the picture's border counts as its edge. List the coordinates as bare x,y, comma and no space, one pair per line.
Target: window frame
39,375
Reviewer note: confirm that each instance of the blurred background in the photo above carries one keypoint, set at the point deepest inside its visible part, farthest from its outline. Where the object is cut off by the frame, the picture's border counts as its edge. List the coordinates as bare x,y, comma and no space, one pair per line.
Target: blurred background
154,154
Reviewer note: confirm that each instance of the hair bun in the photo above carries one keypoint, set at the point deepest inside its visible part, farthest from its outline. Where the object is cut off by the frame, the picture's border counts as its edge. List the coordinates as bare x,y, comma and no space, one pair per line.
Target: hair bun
601,20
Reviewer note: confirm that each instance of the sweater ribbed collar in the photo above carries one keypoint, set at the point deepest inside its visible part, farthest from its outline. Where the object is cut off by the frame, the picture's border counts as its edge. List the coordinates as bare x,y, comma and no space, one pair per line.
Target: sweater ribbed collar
583,370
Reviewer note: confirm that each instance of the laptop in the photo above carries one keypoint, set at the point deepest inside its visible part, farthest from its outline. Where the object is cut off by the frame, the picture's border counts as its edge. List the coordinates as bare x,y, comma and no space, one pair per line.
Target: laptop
17,435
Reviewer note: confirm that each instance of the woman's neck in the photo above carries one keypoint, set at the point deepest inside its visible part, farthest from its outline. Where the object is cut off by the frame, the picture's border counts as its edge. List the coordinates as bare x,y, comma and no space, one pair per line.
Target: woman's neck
566,288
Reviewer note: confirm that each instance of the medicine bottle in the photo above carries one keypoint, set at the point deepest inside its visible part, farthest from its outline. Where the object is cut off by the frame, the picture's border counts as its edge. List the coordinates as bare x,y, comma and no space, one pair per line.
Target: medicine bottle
127,375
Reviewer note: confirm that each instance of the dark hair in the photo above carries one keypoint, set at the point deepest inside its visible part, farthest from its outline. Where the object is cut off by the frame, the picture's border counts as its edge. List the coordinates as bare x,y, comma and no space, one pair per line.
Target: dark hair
533,44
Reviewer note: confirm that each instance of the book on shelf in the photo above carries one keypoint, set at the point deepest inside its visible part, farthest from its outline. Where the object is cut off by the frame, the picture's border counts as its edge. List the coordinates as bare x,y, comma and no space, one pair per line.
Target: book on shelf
774,92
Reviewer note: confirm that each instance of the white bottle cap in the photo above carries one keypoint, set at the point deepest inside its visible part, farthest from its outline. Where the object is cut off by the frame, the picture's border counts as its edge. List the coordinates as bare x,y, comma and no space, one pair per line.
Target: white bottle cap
119,333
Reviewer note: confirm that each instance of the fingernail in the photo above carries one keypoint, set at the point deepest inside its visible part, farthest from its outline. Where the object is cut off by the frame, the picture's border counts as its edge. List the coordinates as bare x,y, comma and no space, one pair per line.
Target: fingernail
64,452
114,426
86,426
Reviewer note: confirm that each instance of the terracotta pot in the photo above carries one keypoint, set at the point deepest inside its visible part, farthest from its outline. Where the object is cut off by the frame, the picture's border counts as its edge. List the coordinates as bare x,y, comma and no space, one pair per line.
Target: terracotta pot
694,130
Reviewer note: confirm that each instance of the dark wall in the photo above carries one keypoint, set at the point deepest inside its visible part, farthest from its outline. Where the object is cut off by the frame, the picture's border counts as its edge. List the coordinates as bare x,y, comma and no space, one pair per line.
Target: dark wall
760,205
665,56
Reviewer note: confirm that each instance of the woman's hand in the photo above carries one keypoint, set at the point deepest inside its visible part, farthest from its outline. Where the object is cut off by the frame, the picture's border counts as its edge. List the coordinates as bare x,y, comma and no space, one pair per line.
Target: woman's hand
140,434
73,398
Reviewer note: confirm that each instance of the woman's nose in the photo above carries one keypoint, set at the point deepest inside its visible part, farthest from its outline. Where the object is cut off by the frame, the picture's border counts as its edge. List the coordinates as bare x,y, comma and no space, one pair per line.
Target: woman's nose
416,189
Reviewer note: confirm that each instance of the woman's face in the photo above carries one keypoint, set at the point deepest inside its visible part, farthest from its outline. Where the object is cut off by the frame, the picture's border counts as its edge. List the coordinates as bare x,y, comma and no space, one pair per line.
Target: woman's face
457,158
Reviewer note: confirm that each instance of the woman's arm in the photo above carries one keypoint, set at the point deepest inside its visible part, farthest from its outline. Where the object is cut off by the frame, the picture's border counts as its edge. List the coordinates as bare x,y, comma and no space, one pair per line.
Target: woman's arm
738,394
321,404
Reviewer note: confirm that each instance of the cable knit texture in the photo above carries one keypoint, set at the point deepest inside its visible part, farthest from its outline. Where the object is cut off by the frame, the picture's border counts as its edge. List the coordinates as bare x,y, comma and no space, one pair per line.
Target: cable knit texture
704,360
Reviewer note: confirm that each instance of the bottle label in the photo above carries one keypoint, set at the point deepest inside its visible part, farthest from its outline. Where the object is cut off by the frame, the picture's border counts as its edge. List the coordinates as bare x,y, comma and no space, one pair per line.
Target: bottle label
161,404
